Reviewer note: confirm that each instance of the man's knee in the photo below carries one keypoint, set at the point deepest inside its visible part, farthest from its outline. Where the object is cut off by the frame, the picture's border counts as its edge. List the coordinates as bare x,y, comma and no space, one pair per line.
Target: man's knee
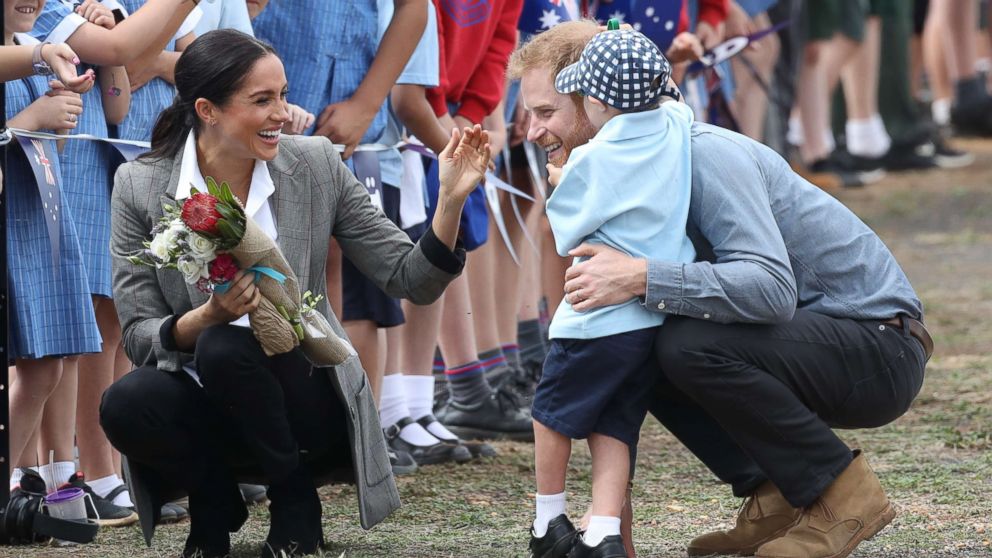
679,343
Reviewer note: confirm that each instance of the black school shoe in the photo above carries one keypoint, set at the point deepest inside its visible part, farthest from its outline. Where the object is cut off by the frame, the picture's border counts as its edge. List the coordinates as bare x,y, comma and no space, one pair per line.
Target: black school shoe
476,449
497,417
610,547
401,462
424,455
557,542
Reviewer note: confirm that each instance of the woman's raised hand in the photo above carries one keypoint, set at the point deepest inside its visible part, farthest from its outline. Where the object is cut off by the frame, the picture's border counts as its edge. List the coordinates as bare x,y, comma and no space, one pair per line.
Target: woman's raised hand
464,162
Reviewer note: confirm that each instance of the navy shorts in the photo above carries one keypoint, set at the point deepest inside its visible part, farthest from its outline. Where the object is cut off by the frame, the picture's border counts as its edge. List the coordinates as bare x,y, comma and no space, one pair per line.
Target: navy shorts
597,385
362,299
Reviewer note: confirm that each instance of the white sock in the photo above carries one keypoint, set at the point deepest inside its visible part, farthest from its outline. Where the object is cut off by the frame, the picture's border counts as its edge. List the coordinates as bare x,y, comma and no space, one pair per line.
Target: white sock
104,485
600,527
419,392
549,506
393,407
57,473
940,110
392,402
794,135
867,138
15,478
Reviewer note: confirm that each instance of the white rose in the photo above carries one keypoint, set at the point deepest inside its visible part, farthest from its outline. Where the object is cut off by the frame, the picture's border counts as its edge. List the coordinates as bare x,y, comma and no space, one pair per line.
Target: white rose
190,268
160,247
176,230
201,247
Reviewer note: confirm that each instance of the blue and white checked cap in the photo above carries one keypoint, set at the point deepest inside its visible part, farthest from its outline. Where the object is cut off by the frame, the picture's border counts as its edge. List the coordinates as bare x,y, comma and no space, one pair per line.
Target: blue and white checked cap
621,68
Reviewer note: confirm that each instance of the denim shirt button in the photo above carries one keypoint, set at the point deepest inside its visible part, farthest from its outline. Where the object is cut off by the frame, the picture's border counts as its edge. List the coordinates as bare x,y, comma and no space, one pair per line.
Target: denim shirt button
661,305
706,316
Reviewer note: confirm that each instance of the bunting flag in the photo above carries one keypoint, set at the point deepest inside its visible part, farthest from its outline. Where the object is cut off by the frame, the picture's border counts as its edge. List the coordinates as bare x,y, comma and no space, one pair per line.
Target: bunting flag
43,158
130,150
541,15
658,20
730,48
368,172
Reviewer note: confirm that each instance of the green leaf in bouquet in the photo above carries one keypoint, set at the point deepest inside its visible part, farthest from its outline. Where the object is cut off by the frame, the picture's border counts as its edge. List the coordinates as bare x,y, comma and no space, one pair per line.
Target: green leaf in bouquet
227,212
212,187
227,231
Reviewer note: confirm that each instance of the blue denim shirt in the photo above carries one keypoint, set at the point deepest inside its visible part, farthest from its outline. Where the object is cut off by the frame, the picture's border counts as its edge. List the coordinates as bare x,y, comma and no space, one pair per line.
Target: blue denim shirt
771,242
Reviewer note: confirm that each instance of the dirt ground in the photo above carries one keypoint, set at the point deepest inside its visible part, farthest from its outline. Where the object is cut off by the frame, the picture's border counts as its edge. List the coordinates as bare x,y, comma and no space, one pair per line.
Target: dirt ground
935,462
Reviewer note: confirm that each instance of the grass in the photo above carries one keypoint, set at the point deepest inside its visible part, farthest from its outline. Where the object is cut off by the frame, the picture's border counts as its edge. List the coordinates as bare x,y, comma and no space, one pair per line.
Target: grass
935,462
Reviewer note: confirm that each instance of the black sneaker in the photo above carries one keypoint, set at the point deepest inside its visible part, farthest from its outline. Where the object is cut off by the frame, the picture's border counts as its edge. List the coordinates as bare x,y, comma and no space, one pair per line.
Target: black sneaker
496,417
401,462
476,449
557,542
973,118
867,170
424,455
105,512
610,547
172,512
911,157
947,157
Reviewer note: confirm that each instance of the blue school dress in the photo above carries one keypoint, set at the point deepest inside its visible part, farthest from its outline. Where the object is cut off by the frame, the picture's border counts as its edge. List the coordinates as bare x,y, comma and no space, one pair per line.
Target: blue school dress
52,311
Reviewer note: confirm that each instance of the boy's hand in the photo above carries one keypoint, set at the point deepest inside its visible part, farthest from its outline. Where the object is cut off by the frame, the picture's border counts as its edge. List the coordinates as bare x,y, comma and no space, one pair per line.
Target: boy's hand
345,123
554,174
299,120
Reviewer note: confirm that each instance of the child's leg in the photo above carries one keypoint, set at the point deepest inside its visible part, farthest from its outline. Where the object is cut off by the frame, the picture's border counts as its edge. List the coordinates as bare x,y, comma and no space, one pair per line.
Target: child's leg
610,473
551,453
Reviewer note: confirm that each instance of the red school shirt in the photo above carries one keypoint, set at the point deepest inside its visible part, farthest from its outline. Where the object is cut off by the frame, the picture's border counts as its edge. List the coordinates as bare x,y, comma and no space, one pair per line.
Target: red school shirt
475,39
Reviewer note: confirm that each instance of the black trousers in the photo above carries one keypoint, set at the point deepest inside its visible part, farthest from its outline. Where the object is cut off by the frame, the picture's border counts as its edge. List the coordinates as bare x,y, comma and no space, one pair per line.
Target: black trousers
758,402
253,413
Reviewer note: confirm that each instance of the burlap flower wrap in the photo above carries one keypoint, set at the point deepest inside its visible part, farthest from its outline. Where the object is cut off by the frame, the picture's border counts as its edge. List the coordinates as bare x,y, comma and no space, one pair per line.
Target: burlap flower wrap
281,323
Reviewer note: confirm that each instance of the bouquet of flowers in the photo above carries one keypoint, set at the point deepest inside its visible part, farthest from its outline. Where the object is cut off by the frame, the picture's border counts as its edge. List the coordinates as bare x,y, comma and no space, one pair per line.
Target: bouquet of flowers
208,238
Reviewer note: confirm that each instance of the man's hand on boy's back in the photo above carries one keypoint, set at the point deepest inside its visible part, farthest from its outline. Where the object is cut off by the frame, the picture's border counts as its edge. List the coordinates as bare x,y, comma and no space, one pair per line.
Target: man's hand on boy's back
345,123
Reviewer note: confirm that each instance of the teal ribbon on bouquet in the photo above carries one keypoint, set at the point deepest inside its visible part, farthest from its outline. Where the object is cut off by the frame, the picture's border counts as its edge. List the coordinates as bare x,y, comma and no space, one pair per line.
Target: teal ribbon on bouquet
259,271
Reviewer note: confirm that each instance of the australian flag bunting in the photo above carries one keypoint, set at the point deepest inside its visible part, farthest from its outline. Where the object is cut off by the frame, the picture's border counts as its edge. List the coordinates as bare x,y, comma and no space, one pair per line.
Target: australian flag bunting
541,15
43,158
658,20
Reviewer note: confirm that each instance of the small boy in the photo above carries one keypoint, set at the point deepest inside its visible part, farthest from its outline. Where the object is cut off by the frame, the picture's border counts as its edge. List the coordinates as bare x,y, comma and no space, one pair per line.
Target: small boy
628,188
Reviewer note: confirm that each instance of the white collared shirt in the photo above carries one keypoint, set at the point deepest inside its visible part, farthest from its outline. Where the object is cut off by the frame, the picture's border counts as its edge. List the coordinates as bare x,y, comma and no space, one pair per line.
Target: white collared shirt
257,206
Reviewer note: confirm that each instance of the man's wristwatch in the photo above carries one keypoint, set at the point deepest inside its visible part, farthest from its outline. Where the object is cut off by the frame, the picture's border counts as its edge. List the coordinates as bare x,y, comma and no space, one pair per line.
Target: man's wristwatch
40,66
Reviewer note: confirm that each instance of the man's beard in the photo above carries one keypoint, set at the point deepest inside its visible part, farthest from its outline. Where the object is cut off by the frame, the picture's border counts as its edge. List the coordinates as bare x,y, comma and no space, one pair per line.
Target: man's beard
578,135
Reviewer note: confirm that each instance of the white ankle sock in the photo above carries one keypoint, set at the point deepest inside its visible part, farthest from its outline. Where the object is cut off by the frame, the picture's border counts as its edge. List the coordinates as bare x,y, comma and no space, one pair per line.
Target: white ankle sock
103,486
393,407
549,506
57,473
15,478
419,392
940,110
867,138
392,402
600,527
794,134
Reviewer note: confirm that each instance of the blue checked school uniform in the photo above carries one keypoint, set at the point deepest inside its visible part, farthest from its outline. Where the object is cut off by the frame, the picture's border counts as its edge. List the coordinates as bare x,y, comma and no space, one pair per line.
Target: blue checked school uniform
147,102
327,48
87,168
52,310
628,188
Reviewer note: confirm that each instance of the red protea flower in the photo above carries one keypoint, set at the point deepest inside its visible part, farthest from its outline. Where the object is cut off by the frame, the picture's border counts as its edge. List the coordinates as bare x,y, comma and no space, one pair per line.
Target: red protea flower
200,214
223,269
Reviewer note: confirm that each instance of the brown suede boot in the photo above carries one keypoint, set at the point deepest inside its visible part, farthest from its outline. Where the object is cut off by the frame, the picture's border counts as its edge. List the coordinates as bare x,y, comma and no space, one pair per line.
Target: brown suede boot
850,510
765,515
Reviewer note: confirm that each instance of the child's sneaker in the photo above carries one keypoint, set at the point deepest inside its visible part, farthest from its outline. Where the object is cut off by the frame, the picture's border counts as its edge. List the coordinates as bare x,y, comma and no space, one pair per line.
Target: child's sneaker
609,547
557,542
105,512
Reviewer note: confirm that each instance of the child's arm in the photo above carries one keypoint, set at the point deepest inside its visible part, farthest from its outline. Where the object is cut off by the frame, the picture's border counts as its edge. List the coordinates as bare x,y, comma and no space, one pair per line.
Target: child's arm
347,121
115,92
56,110
415,112
157,63
150,27
16,61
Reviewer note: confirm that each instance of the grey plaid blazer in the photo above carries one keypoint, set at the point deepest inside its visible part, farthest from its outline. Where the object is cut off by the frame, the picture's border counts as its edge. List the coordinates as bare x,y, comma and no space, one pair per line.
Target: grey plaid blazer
316,197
